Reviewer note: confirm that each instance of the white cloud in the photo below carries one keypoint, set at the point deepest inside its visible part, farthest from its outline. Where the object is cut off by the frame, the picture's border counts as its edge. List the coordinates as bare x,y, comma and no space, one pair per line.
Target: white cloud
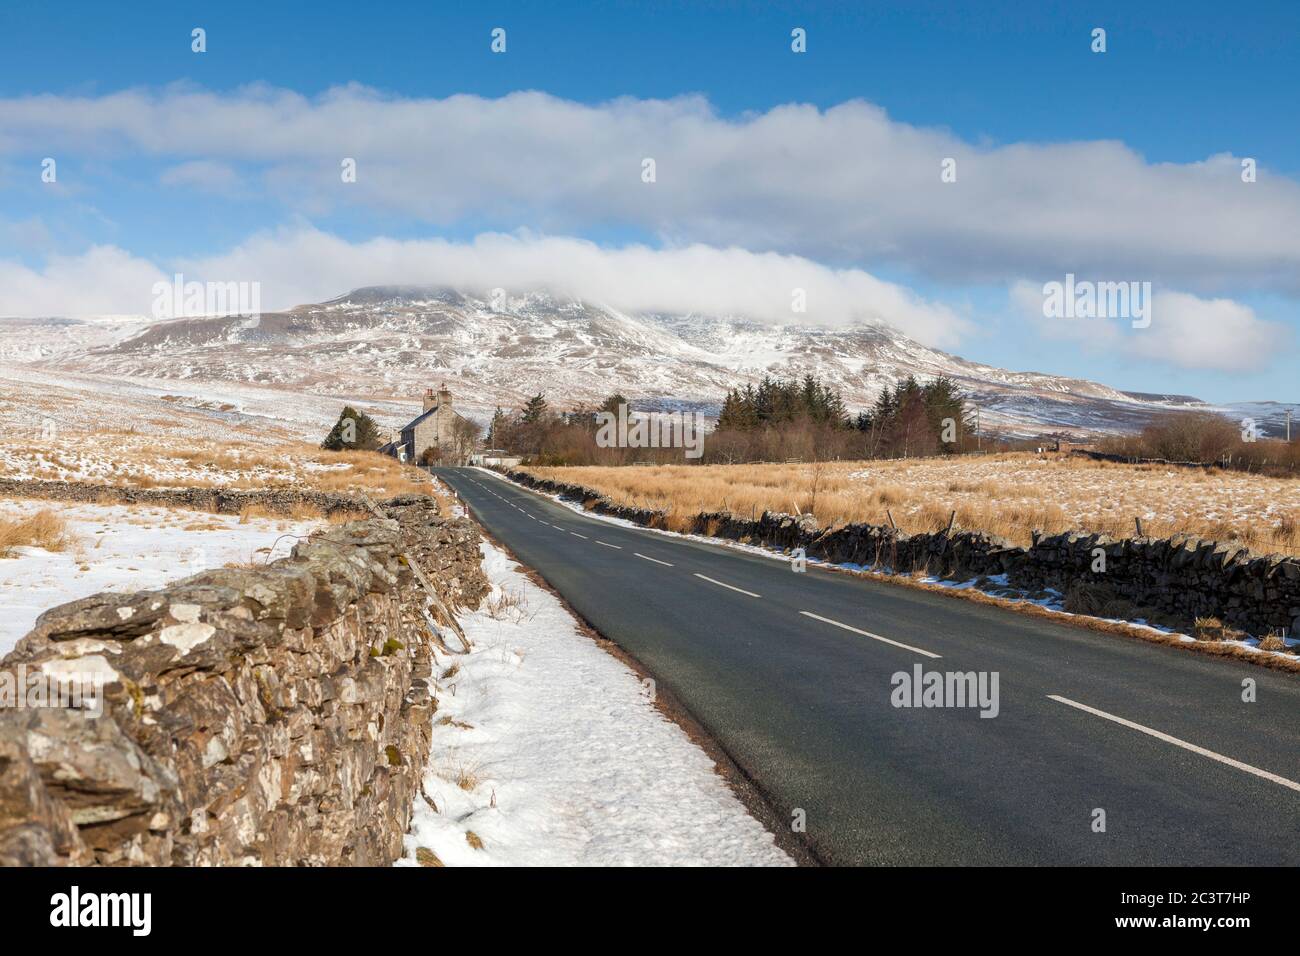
842,184
296,266
1186,331
203,174
103,280
1209,334
306,265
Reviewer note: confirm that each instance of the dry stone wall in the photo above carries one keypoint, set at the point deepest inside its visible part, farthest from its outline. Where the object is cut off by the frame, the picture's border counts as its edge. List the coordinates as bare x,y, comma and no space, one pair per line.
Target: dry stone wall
216,500
279,715
1174,580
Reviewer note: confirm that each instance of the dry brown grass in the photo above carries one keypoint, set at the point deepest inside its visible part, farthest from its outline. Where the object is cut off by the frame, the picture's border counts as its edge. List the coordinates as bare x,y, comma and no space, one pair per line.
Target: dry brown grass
508,605
298,511
426,857
1273,642
446,720
45,529
343,517
466,777
1212,629
1009,495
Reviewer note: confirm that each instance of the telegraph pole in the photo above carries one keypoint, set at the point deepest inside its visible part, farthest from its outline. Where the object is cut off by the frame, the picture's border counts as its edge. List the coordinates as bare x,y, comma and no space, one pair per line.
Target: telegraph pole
976,409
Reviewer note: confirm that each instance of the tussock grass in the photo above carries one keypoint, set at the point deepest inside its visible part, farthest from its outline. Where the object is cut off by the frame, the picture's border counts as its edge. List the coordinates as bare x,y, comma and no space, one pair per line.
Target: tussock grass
1010,495
45,529
507,605
1272,642
466,777
426,857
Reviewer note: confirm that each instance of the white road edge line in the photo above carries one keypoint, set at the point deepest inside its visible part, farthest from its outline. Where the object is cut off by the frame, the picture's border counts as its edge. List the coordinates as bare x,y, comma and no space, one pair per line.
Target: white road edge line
608,545
724,584
1263,774
874,637
655,560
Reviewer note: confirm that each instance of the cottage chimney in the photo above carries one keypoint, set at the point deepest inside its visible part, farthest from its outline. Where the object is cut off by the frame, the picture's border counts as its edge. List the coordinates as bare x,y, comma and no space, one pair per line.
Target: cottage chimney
444,395
429,400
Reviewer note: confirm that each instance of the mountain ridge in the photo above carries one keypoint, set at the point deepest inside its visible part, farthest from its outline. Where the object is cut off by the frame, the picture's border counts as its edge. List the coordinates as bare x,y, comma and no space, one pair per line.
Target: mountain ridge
390,342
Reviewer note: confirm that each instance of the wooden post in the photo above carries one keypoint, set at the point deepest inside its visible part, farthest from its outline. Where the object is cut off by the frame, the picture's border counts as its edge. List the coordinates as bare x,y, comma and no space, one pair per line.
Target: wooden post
951,518
1138,523
891,519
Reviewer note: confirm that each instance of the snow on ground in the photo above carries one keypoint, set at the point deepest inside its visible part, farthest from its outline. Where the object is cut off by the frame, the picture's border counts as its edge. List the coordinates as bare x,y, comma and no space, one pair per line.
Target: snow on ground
128,459
126,548
551,753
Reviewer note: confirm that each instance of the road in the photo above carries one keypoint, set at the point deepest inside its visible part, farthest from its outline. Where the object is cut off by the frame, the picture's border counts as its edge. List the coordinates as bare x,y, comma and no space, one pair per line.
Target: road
793,673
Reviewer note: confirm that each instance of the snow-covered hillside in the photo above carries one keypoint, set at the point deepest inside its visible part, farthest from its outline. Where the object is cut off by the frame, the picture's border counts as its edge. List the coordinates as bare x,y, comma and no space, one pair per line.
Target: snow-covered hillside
384,345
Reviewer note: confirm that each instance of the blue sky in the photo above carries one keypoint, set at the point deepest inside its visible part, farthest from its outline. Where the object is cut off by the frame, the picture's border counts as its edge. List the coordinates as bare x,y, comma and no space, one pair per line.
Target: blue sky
1179,83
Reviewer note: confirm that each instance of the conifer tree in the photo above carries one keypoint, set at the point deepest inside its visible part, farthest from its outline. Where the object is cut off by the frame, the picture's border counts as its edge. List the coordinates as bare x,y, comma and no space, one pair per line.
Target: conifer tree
354,431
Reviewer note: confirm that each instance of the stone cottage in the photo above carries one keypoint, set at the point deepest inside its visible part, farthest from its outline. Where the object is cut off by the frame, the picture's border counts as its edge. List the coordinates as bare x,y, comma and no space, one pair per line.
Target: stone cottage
437,427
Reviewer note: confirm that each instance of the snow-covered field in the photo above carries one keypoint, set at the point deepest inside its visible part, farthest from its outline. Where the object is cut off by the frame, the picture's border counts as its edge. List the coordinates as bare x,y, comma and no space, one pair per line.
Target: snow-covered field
143,460
549,751
121,548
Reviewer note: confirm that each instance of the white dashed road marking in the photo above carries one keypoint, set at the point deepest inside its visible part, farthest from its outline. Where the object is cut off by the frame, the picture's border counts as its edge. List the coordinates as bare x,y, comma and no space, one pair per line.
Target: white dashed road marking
874,637
655,560
618,547
1263,774
724,584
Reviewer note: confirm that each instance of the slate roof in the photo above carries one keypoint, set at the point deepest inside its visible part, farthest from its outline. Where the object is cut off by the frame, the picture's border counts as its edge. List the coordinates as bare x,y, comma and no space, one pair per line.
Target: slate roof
419,418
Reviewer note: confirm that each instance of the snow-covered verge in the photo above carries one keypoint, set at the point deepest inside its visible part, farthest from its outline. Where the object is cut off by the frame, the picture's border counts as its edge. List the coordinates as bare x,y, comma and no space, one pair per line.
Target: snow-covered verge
125,548
549,751
1049,600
